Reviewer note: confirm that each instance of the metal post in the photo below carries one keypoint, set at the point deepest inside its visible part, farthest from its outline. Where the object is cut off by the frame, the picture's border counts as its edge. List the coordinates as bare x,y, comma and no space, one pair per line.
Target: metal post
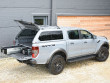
51,12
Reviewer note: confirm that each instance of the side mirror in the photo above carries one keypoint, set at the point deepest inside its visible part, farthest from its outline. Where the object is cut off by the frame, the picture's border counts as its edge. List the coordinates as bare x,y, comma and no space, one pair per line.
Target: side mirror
94,37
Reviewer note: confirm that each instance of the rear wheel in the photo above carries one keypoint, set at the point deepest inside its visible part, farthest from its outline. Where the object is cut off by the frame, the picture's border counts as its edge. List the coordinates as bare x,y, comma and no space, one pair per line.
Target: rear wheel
102,54
56,65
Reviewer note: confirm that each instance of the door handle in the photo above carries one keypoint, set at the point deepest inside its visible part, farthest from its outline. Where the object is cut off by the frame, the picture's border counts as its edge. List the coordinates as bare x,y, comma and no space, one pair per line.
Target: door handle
85,42
98,41
71,43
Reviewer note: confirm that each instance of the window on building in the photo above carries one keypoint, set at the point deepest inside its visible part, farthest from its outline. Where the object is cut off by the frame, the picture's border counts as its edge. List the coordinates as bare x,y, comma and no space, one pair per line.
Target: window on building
73,34
41,20
51,35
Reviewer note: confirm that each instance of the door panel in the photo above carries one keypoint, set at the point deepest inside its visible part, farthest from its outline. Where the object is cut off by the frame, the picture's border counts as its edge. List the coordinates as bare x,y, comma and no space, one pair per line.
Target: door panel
88,43
88,46
74,43
74,48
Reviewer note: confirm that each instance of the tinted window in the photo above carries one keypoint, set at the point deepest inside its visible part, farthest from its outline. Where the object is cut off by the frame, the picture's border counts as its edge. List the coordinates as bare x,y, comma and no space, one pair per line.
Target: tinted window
28,32
51,35
73,34
86,35
39,21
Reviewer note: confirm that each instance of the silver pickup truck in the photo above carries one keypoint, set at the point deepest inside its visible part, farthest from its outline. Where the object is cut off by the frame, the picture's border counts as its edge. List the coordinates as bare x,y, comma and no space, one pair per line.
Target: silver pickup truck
54,46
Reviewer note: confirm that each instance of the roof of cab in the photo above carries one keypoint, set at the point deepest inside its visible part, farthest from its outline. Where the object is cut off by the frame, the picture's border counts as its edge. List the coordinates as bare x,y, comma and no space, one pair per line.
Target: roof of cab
44,27
71,28
59,28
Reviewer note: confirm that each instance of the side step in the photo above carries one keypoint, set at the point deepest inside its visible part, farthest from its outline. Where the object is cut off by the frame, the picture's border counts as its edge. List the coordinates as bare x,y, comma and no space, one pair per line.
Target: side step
81,58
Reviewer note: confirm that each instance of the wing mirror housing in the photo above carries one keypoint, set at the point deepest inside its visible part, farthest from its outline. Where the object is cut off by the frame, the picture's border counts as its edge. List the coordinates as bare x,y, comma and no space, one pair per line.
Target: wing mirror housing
94,37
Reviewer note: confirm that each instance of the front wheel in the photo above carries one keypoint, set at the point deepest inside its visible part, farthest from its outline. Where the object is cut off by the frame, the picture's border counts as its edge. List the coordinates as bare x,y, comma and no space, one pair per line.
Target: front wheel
102,54
56,65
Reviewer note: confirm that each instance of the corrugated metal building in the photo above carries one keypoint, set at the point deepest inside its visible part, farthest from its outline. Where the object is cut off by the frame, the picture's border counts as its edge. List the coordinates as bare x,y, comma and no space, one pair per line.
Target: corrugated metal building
93,15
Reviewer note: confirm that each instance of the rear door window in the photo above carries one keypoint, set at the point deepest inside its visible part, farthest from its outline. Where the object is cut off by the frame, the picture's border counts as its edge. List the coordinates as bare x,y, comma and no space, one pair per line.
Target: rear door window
73,34
50,35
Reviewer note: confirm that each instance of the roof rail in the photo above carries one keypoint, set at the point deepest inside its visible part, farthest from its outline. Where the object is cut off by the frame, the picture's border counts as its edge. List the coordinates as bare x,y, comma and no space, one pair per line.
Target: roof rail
49,27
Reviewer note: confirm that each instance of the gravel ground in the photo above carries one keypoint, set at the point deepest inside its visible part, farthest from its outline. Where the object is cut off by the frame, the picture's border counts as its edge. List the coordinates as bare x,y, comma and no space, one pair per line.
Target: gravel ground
3,55
88,71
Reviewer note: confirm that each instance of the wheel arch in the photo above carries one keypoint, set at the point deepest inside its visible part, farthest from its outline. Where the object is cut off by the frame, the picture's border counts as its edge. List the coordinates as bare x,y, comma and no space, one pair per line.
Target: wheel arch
105,44
60,51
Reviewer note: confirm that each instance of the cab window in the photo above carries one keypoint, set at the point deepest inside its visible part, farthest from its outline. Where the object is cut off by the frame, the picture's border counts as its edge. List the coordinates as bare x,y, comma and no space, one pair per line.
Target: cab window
86,35
73,34
51,35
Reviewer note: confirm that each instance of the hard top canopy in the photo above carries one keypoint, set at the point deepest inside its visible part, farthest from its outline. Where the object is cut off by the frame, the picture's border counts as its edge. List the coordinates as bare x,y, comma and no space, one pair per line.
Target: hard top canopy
28,25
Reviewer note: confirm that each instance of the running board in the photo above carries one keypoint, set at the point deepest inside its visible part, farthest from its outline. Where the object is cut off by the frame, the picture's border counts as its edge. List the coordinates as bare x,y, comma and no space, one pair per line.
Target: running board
81,58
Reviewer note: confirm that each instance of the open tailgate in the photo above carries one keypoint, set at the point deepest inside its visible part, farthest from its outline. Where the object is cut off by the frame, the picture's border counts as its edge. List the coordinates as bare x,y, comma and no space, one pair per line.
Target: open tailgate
21,56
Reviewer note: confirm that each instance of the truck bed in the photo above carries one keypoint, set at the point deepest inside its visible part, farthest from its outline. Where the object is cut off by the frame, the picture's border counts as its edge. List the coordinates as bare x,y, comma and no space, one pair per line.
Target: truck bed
27,45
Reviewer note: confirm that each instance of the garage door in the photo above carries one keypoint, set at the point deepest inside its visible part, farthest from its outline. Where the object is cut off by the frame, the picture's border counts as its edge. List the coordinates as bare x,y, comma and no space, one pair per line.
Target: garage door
99,25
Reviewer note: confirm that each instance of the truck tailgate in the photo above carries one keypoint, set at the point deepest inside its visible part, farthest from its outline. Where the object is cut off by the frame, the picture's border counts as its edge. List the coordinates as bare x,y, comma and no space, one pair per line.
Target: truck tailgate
20,56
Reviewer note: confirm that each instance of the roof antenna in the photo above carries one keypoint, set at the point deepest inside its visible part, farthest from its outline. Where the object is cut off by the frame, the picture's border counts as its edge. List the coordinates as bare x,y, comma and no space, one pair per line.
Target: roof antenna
18,24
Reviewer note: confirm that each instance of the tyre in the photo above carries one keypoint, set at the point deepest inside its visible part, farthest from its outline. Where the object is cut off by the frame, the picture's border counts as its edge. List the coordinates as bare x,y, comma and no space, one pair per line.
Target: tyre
47,65
102,54
56,65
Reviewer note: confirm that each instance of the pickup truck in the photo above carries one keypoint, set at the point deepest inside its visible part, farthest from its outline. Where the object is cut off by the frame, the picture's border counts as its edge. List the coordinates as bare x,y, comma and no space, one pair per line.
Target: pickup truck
54,46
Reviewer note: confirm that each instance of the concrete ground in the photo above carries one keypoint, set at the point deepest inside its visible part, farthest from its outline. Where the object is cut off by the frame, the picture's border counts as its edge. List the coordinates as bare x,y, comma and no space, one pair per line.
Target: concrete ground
88,71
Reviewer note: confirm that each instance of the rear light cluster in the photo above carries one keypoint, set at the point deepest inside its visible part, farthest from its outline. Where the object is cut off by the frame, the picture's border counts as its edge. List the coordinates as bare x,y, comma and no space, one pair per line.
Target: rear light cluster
14,42
35,52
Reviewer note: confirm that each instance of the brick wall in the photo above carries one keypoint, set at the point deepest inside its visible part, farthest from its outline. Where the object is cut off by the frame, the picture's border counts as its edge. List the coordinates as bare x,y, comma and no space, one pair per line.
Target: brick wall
98,25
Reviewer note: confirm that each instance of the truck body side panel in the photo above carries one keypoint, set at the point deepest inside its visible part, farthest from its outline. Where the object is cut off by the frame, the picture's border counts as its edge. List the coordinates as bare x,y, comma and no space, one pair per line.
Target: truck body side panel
46,50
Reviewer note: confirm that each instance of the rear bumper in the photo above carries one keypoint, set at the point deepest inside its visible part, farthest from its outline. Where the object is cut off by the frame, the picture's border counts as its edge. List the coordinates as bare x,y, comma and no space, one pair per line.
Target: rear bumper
24,58
29,61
